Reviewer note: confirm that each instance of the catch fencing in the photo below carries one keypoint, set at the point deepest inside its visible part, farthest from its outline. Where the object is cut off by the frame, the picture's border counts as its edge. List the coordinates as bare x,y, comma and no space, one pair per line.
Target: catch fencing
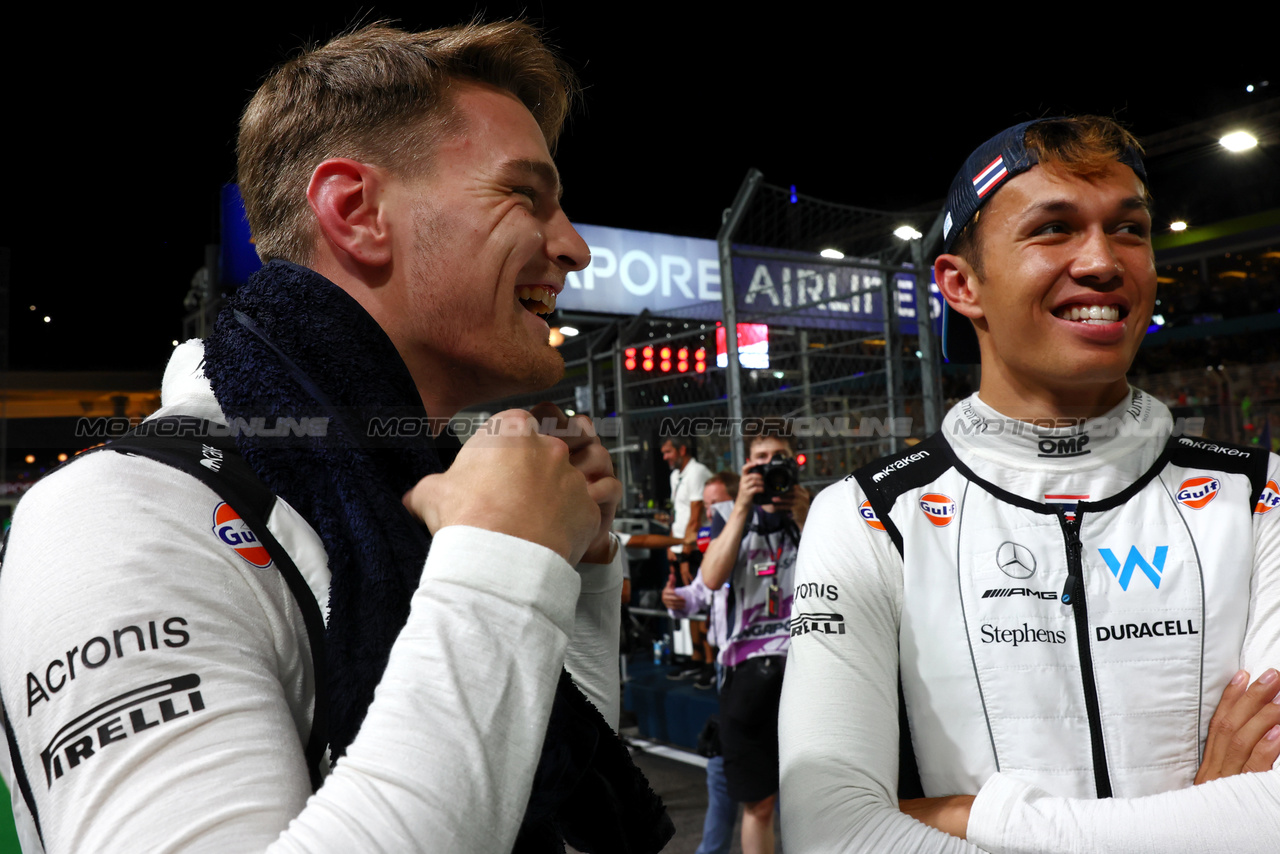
814,345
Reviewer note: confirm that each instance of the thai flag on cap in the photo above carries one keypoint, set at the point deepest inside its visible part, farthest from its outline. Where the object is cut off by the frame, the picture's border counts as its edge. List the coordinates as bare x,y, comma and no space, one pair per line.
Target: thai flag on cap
989,177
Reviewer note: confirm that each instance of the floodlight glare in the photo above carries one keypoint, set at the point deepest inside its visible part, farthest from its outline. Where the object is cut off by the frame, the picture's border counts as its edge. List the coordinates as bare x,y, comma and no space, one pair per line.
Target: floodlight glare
906,232
834,254
1178,226
568,331
1238,141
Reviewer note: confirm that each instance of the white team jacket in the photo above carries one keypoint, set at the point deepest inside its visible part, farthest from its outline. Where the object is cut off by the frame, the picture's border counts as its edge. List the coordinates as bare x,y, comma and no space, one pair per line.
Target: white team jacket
951,561
159,686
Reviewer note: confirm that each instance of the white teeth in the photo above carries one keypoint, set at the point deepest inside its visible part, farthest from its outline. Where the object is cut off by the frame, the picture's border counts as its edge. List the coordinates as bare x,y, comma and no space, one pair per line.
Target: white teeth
1090,313
539,295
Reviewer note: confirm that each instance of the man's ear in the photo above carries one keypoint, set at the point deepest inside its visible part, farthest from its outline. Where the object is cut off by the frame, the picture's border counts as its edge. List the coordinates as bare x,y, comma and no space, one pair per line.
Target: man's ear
345,195
959,285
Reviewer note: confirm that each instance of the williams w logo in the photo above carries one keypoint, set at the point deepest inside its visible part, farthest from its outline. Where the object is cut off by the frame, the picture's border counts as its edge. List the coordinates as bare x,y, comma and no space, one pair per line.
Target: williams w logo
1124,574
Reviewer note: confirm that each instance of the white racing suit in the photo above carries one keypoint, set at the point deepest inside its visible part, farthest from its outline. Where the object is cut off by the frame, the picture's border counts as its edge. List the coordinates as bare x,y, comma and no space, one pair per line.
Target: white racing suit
158,679
1065,607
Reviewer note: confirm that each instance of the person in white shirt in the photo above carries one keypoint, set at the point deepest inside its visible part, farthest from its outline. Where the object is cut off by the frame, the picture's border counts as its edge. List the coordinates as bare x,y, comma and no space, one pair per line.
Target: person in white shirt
688,477
753,552
1063,596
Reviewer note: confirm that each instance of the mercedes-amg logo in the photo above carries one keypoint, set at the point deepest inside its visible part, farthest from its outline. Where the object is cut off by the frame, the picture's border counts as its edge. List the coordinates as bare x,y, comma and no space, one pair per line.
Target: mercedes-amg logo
1015,561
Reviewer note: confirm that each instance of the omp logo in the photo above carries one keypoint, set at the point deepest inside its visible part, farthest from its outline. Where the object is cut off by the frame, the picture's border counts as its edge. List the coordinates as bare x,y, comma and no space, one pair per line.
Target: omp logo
103,725
232,530
1196,492
1069,446
869,516
1154,570
938,508
1015,560
1269,498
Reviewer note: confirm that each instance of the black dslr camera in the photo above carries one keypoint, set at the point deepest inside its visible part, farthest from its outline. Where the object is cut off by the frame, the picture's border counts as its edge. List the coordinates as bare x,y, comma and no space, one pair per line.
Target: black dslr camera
780,474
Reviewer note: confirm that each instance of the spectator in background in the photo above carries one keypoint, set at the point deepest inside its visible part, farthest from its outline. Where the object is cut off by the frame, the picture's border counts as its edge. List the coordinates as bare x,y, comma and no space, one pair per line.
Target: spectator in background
683,602
688,477
753,547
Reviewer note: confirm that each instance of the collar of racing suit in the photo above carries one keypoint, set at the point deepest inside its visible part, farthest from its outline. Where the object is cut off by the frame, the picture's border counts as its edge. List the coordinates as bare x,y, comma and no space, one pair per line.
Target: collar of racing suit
1125,440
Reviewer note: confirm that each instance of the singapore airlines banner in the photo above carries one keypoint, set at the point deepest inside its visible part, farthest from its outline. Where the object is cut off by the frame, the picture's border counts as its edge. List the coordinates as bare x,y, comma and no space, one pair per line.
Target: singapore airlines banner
679,277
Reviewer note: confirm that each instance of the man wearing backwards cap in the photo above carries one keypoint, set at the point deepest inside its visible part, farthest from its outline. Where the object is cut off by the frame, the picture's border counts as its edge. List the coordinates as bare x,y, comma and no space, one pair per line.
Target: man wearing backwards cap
1063,593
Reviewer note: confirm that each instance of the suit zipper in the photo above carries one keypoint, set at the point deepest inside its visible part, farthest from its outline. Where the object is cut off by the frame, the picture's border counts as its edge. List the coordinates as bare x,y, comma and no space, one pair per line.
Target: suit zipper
1073,595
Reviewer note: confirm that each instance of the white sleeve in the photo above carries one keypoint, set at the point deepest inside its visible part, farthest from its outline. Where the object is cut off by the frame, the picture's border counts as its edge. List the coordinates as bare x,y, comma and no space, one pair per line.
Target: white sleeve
697,481
838,724
592,657
1240,814
696,597
114,583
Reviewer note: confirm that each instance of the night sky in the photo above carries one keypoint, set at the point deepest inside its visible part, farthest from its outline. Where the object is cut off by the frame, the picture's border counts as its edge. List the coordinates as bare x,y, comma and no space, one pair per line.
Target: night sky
120,131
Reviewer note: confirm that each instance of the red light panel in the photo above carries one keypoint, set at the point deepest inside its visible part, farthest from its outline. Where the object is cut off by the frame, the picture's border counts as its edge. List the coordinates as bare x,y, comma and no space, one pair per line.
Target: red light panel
666,365
648,352
665,353
801,459
648,364
631,352
700,368
631,364
682,353
700,354
682,366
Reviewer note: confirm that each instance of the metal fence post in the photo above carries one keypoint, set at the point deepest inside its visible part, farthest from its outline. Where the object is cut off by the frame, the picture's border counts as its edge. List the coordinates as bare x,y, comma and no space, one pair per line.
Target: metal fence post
930,375
728,298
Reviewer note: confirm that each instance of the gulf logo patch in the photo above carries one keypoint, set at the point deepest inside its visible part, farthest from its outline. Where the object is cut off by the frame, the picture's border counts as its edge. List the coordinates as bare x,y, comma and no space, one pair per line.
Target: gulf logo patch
1196,492
938,508
231,529
869,516
1269,498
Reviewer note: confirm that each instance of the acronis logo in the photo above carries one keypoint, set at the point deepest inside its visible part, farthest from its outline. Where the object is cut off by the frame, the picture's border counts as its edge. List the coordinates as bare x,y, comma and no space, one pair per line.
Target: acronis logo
1135,560
231,529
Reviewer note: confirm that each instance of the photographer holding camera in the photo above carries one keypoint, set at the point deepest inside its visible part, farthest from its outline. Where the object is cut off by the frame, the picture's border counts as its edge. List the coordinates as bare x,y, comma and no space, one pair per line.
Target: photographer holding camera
753,548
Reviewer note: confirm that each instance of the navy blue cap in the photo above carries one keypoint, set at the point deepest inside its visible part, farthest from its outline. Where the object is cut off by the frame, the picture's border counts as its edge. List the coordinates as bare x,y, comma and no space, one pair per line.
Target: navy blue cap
988,168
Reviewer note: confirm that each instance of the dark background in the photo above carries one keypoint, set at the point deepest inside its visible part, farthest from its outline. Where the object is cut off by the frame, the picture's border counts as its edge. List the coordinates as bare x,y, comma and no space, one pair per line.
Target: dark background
121,129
